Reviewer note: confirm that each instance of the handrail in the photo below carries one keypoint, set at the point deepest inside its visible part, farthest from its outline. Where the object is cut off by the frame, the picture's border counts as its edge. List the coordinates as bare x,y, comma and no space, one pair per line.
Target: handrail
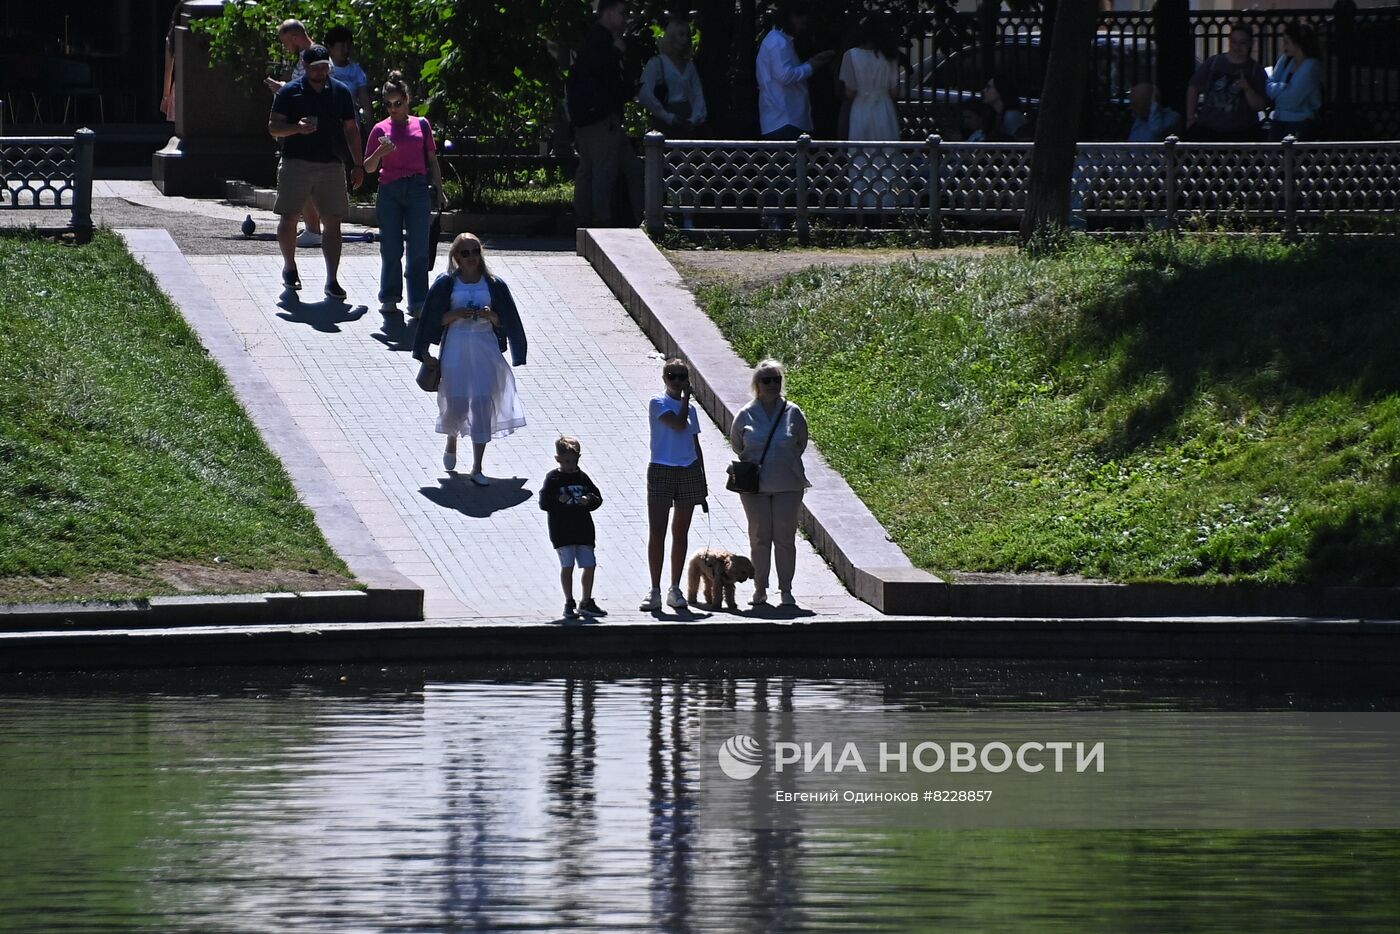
1289,184
45,169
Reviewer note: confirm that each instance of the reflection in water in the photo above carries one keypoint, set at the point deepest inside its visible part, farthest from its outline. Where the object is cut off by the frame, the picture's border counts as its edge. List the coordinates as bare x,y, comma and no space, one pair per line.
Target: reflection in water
566,799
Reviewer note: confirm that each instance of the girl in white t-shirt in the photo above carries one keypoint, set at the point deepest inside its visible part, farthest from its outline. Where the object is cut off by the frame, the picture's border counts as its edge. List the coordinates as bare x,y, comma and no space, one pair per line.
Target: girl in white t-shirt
675,477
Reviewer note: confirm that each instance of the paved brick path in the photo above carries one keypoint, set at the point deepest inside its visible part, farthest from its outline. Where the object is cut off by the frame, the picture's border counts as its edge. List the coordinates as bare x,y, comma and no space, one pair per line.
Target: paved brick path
347,378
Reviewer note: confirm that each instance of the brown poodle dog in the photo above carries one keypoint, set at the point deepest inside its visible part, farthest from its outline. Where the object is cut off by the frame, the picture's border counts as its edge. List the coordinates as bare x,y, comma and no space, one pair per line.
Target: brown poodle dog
720,570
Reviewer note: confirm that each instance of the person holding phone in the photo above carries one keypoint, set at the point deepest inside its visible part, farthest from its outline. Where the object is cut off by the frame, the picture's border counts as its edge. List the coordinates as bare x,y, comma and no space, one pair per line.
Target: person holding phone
675,478
471,313
402,150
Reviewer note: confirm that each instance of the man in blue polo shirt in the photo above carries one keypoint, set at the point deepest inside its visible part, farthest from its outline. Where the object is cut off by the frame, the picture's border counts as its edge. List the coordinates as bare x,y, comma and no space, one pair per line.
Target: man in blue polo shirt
314,117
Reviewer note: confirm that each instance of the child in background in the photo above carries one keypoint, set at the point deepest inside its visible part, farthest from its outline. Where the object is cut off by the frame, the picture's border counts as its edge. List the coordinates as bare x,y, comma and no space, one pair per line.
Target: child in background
569,496
340,41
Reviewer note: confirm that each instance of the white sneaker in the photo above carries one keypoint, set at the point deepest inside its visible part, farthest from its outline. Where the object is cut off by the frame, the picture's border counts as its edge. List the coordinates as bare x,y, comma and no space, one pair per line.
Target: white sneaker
675,599
651,602
759,598
308,238
787,599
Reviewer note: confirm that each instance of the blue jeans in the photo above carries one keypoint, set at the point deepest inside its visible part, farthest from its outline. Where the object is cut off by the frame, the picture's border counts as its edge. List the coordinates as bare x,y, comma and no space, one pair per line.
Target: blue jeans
403,205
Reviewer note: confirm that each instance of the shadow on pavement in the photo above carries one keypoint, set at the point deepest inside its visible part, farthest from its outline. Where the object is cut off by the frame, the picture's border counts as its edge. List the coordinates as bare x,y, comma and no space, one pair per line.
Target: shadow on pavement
457,491
769,611
577,621
687,615
325,316
397,332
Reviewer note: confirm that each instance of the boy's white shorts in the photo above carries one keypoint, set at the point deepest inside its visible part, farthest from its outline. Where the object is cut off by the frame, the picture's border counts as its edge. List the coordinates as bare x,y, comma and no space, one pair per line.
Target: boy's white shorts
582,555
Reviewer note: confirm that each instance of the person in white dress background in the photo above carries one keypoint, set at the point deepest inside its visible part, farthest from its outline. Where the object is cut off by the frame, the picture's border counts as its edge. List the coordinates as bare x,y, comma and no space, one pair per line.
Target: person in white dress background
471,313
869,79
671,89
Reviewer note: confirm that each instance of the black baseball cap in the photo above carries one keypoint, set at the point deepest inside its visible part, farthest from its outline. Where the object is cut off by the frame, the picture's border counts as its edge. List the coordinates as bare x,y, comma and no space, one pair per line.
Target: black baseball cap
315,55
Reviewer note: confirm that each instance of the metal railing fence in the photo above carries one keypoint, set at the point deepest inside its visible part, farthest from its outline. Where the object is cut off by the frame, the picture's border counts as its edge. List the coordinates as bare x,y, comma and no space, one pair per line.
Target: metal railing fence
1288,186
45,174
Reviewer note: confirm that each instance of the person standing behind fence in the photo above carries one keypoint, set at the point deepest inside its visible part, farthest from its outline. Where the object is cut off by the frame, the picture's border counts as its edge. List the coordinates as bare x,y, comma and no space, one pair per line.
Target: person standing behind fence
1295,87
1152,122
784,102
1226,94
870,78
472,314
597,90
772,511
1004,98
401,149
671,89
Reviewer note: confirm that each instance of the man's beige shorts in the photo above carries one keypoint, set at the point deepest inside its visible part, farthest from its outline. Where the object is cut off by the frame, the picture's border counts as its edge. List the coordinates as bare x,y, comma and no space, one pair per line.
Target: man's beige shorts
322,182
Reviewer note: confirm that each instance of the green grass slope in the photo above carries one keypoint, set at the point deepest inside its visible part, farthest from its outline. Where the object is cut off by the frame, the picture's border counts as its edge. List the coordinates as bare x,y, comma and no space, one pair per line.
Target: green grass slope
1180,411
121,444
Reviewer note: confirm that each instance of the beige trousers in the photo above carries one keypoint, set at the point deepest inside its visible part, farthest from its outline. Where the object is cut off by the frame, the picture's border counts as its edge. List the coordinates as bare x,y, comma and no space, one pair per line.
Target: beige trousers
772,531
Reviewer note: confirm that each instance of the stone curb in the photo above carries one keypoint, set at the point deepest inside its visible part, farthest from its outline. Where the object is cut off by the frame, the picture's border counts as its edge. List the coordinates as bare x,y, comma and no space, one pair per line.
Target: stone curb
1365,647
207,609
854,542
389,595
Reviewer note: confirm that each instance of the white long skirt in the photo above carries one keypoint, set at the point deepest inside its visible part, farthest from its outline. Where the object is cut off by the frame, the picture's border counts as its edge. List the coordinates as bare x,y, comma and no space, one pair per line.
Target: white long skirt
476,398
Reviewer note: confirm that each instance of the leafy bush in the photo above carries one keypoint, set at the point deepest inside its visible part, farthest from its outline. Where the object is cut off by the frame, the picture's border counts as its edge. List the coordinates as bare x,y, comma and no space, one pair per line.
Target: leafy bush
482,67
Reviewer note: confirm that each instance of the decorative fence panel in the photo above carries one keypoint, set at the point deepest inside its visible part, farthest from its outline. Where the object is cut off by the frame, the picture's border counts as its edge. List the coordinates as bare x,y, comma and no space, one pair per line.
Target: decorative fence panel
1286,185
42,175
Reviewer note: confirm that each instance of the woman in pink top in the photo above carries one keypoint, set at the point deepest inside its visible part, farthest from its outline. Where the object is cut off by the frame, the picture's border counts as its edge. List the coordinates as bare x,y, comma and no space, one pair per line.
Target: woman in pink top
402,150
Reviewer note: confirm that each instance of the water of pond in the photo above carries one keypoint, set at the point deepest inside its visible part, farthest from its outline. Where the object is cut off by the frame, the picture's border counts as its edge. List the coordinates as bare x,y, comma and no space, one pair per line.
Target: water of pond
559,799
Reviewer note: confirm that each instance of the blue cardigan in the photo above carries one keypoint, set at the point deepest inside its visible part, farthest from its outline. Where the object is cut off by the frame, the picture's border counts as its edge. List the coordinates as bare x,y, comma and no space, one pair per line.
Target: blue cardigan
511,333
1296,90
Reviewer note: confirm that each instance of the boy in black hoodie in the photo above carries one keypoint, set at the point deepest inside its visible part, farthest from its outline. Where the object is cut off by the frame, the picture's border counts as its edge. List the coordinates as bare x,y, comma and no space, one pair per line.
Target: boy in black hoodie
569,496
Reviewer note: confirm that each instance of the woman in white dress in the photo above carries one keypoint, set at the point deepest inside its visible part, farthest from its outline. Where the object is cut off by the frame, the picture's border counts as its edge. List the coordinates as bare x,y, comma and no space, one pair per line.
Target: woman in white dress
471,313
870,78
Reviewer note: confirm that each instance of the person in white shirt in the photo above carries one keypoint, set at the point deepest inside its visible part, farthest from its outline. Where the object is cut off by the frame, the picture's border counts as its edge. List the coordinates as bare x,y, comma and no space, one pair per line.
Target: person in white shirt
671,88
675,478
784,104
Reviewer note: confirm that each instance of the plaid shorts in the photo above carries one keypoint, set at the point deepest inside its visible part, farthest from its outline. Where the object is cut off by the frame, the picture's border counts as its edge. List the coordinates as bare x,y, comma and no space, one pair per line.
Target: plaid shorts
683,486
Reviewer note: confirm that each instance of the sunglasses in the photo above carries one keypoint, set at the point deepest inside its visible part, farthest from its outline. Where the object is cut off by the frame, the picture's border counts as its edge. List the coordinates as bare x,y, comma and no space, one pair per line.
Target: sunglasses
395,103
675,376
770,380
469,251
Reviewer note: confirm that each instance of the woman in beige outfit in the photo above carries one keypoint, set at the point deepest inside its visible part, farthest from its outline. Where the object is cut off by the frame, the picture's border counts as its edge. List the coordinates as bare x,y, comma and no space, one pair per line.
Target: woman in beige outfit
772,511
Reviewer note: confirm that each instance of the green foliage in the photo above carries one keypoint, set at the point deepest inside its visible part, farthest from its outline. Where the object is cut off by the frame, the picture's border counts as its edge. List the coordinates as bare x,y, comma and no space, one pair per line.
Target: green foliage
1167,410
389,35
121,444
479,68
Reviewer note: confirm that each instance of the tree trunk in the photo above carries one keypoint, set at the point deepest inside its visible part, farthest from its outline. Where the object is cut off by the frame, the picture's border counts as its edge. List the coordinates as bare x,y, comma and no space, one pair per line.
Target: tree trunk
1057,128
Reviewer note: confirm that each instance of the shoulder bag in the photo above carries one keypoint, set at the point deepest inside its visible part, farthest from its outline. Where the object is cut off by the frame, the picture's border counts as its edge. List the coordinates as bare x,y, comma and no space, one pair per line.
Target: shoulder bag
429,375
743,475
